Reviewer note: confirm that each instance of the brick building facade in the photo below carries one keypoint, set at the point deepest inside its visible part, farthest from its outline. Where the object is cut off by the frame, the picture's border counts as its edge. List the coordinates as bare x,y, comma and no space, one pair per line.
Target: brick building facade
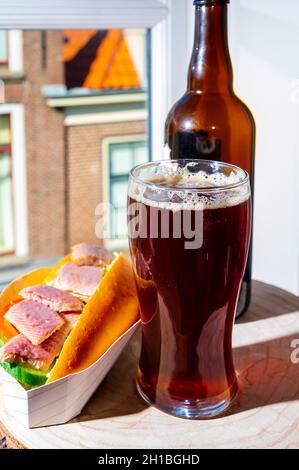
85,152
65,138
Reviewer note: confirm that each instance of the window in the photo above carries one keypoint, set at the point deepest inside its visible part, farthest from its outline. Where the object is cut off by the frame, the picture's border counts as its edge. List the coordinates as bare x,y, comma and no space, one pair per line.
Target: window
91,82
6,202
3,48
122,157
89,85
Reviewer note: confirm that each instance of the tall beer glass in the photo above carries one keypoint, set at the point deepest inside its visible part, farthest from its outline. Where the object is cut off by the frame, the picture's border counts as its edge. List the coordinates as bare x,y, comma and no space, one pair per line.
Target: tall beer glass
189,228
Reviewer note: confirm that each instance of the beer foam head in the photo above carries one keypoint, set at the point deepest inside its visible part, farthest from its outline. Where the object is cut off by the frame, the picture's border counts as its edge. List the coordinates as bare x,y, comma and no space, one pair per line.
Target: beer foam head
174,187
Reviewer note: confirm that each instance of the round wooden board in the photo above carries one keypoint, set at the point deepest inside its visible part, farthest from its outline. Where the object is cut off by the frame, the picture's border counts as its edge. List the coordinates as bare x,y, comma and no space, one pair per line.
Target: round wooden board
266,414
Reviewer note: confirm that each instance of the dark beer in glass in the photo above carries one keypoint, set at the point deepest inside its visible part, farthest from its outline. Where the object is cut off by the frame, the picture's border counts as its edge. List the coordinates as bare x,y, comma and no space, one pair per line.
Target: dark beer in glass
189,228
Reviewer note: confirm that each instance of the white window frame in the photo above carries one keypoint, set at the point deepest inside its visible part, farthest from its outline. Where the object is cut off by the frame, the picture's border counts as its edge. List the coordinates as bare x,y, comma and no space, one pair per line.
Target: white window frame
15,52
159,15
19,180
169,21
119,244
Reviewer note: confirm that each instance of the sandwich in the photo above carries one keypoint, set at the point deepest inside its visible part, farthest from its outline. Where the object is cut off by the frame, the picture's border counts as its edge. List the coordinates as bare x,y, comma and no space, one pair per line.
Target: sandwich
59,322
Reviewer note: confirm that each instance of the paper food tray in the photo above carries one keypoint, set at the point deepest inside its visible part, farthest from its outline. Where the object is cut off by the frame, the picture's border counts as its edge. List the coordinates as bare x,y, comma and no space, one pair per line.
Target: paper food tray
62,400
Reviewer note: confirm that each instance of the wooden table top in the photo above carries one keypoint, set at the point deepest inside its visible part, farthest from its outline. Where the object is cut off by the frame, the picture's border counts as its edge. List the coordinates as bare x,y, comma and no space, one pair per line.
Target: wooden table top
265,415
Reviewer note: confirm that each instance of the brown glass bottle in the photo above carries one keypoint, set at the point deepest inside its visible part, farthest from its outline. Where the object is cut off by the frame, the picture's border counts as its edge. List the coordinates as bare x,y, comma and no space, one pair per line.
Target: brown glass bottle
210,121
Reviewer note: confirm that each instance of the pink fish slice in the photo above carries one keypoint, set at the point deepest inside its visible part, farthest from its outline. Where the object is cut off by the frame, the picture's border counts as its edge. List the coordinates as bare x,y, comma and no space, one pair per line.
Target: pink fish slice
92,255
56,299
71,318
36,321
20,350
81,280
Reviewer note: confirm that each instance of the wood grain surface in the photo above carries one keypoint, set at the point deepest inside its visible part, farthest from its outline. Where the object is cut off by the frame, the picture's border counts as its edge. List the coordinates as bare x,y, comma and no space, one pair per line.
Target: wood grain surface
265,415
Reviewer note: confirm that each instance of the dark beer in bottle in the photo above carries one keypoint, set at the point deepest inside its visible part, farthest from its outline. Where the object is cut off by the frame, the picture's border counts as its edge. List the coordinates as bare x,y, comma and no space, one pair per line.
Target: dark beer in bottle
210,121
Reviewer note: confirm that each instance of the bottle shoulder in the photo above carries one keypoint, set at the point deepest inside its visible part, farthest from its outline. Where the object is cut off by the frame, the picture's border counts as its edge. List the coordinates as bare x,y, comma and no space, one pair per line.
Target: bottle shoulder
247,110
195,110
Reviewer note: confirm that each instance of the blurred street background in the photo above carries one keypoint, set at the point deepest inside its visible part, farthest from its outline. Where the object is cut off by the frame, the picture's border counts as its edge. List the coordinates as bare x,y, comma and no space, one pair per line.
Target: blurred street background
73,122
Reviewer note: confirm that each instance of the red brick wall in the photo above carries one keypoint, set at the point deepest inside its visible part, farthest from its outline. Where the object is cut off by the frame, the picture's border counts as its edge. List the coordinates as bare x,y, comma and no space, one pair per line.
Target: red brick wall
44,147
85,174
44,134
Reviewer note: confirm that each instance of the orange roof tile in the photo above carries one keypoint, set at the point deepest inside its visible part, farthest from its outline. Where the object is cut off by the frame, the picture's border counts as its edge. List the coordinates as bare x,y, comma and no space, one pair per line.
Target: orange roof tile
122,73
112,67
74,41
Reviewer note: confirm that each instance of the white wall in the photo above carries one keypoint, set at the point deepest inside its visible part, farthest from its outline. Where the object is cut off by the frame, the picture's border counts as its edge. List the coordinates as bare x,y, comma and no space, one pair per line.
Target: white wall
264,37
264,43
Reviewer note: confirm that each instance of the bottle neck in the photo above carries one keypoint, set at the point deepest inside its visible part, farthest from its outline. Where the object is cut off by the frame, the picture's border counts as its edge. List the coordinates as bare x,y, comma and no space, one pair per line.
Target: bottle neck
210,68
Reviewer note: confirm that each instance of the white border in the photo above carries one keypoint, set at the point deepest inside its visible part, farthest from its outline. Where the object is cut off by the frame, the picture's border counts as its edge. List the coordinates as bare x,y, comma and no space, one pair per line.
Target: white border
16,112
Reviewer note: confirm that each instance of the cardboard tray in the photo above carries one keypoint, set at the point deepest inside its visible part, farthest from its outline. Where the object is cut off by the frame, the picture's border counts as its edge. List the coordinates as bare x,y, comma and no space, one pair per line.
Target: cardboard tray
62,400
